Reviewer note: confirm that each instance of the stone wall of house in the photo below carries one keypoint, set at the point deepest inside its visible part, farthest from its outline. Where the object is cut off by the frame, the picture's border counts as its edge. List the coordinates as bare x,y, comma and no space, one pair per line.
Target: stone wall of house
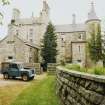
75,88
67,48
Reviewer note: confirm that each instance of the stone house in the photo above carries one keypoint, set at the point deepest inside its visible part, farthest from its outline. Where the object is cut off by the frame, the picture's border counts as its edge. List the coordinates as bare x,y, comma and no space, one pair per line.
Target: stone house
72,38
13,48
24,37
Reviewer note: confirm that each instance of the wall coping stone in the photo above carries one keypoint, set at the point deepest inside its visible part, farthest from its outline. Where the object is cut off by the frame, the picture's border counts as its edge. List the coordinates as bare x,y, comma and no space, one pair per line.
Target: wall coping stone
93,77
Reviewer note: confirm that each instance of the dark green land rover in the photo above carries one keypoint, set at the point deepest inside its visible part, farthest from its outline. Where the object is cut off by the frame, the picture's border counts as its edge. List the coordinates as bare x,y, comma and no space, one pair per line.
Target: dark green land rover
16,69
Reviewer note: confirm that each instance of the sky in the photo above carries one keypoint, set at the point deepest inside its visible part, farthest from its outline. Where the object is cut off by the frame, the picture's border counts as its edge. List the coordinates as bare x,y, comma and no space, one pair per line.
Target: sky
60,11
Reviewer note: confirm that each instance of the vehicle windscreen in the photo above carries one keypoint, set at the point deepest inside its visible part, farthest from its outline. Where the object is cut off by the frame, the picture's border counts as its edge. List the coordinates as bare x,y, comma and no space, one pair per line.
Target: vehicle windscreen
13,66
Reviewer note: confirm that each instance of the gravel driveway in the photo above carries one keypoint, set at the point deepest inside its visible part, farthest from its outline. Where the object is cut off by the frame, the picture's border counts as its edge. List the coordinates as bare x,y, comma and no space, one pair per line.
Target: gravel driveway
4,82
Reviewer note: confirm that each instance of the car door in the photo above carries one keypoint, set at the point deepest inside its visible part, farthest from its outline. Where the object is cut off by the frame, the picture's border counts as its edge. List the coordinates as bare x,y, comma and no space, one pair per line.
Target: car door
13,70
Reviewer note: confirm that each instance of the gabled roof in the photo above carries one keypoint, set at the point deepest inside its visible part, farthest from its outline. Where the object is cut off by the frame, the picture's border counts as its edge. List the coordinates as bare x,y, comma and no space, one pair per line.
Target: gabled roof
70,28
23,40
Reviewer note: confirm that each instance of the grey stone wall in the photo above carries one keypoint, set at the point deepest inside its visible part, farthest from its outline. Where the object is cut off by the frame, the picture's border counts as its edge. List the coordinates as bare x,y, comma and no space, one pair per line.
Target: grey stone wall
75,88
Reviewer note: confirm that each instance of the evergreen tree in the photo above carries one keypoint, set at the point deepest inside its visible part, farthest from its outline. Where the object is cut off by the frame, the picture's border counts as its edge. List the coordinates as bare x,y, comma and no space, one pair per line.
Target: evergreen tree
103,56
95,44
48,51
99,43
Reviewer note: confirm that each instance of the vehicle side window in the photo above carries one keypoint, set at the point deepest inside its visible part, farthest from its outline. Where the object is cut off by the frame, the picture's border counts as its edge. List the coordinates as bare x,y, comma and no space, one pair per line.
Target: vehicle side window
13,66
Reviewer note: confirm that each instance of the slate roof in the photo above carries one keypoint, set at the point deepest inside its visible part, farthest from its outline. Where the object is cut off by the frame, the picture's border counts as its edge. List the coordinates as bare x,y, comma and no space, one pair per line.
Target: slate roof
26,21
70,28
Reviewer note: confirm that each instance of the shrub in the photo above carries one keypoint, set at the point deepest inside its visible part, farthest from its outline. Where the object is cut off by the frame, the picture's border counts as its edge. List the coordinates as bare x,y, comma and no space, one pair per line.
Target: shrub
99,70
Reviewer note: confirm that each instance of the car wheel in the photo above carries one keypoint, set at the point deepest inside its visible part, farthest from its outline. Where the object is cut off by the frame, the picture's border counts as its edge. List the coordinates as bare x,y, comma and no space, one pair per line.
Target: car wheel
32,77
13,77
25,77
6,76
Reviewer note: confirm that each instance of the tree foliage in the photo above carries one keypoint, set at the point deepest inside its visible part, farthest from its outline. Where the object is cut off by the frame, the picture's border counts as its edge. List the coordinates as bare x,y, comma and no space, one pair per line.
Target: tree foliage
2,3
99,43
95,44
48,50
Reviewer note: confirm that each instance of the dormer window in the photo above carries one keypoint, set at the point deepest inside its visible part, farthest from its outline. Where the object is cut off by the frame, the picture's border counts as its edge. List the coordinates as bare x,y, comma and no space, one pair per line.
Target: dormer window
62,33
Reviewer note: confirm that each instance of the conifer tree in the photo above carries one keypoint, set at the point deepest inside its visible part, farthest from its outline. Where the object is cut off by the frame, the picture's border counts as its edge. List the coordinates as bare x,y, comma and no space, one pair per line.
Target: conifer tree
49,51
95,44
99,43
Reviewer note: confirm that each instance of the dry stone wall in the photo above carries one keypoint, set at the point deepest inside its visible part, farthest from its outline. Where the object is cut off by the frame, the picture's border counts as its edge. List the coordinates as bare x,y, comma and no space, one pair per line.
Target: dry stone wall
75,88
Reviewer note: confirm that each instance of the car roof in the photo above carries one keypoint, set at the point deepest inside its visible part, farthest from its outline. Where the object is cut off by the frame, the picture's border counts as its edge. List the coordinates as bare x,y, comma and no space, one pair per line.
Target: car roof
12,63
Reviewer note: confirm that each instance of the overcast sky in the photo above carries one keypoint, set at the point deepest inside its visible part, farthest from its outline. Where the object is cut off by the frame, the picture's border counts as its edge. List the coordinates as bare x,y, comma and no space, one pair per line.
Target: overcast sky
60,13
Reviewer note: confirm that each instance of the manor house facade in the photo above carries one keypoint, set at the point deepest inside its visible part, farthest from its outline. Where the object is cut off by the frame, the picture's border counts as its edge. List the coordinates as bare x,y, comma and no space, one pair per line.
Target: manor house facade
71,38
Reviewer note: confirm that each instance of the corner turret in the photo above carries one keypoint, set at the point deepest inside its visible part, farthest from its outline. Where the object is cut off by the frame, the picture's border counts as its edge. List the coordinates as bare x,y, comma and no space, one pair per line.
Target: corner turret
92,14
92,22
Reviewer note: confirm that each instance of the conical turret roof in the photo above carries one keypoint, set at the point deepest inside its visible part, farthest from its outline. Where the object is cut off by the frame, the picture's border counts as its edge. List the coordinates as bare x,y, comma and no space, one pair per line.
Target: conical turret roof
92,14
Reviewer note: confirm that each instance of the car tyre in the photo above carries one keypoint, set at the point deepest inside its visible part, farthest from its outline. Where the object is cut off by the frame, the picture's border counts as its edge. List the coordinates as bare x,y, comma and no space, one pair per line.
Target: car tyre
25,77
13,77
6,76
31,78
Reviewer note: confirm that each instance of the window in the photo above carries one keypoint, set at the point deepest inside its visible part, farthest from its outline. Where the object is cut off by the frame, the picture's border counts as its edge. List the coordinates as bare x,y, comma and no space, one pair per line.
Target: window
31,32
30,59
79,60
10,57
79,48
31,40
62,34
62,39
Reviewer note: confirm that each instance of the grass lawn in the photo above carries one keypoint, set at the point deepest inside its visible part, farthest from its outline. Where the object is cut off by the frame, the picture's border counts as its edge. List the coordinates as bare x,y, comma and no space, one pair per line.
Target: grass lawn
9,93
39,93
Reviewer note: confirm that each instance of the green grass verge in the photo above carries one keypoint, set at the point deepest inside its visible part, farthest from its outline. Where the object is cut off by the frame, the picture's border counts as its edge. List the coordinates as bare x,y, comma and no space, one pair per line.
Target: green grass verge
94,70
39,93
